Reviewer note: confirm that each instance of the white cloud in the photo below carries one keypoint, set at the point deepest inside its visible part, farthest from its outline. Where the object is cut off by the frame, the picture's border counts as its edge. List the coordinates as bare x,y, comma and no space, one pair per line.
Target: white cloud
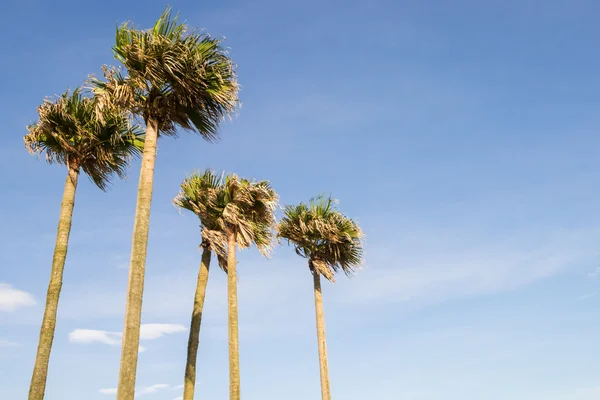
95,336
155,331
87,336
140,391
8,343
178,387
147,332
178,398
151,389
11,298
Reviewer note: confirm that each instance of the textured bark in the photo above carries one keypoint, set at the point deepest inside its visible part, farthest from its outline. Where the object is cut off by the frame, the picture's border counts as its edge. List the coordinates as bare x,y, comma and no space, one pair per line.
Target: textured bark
40,370
137,266
325,390
232,306
192,351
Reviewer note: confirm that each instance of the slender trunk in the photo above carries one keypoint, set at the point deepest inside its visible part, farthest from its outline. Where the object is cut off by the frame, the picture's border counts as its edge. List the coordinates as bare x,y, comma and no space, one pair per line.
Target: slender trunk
40,370
325,390
137,266
232,306
192,351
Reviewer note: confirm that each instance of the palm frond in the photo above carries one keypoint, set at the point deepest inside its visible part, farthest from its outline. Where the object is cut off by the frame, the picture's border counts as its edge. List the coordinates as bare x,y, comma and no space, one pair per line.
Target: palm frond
227,201
69,131
327,238
176,77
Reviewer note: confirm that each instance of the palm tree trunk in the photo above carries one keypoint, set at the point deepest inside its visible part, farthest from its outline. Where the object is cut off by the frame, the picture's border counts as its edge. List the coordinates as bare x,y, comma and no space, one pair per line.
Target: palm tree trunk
325,390
192,351
135,285
232,306
40,370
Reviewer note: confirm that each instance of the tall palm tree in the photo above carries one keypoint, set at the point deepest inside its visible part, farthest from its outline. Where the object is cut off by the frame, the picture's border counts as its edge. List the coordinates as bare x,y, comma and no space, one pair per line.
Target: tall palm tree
248,216
70,133
175,78
331,242
238,213
195,196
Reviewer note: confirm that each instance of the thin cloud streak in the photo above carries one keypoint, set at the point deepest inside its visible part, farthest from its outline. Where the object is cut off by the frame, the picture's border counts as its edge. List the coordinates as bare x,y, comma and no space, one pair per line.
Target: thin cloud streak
585,297
147,332
140,391
480,269
8,343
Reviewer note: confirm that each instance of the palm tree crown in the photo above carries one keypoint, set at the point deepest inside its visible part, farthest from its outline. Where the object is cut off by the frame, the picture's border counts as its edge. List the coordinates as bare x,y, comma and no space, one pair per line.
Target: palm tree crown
195,194
229,202
327,238
69,132
175,77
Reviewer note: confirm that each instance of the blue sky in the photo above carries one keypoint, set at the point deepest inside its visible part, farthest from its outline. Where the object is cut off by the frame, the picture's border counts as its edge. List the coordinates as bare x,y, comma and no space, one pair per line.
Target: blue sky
461,135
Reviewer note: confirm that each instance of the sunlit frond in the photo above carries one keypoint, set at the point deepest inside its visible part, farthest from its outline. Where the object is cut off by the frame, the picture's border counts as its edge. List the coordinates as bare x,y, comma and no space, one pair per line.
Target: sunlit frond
69,132
175,77
226,201
327,238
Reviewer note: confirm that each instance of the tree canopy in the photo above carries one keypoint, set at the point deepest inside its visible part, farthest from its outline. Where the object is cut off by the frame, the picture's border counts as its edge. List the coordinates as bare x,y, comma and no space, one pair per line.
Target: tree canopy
69,132
327,238
175,77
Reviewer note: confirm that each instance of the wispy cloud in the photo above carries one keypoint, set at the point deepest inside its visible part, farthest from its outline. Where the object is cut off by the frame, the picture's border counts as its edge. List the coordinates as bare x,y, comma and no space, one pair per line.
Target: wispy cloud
591,393
95,336
585,296
155,331
147,332
12,299
431,273
8,343
151,389
178,387
140,391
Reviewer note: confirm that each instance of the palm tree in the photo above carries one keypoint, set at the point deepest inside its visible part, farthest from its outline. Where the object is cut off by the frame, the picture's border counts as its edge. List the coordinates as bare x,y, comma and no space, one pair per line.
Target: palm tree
70,133
239,213
175,78
195,196
331,242
248,210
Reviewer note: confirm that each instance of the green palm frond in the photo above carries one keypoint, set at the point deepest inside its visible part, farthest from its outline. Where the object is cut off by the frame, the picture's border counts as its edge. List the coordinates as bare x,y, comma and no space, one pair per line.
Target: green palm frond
225,201
69,132
175,77
327,238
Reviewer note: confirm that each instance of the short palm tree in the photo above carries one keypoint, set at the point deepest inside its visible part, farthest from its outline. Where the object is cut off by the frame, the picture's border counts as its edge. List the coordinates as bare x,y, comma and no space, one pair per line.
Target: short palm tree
331,242
195,196
70,133
175,78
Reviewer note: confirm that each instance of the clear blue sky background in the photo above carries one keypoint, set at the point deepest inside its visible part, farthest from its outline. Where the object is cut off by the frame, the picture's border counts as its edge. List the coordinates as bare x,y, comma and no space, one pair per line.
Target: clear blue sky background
463,136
